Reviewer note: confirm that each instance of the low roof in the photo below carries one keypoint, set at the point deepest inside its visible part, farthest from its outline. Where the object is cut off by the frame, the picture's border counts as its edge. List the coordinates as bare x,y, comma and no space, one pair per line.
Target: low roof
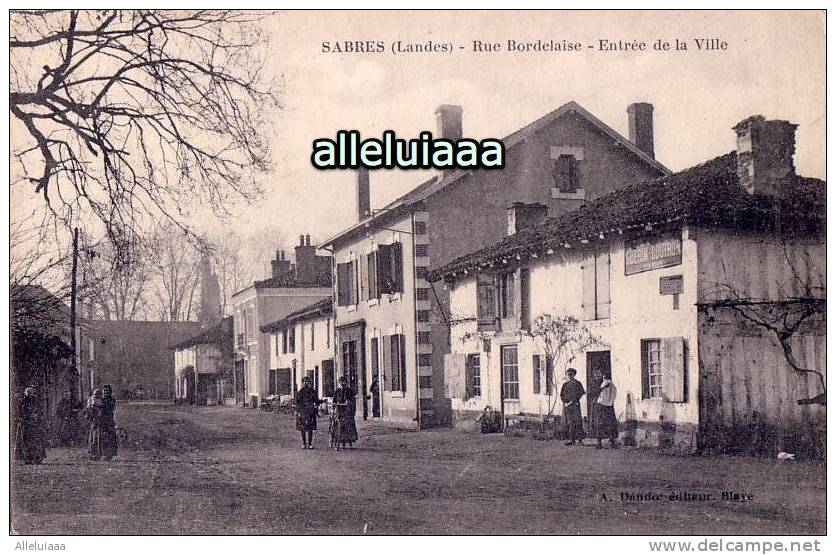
323,307
707,195
434,184
220,335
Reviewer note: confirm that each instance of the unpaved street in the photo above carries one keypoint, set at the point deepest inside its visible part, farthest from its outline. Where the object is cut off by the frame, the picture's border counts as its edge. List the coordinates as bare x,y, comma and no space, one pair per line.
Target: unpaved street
223,470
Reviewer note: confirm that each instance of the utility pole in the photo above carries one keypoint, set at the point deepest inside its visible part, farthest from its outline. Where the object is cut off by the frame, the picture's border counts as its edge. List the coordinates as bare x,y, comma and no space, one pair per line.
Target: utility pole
73,293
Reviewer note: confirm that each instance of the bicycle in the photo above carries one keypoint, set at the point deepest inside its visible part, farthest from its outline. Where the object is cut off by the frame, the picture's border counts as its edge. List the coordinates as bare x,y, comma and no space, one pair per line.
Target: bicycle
334,427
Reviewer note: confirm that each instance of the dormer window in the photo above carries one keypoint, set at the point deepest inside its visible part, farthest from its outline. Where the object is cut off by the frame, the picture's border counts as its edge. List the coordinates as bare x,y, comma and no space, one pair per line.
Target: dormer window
566,173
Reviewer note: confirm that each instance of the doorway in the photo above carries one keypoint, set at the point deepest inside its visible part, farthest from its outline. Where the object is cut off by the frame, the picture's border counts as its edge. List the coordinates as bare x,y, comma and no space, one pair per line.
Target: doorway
597,365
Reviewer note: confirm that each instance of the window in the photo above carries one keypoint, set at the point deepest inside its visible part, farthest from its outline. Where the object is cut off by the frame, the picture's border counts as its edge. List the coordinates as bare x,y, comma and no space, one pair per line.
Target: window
371,274
346,284
663,369
394,363
420,228
537,372
486,302
506,295
284,341
421,250
422,294
652,367
566,173
510,373
273,386
374,351
291,339
596,286
473,372
328,378
389,268
328,332
313,342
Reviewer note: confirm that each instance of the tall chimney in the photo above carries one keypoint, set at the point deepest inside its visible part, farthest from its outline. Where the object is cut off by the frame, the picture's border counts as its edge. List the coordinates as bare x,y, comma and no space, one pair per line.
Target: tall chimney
279,265
305,260
764,155
449,122
640,123
364,203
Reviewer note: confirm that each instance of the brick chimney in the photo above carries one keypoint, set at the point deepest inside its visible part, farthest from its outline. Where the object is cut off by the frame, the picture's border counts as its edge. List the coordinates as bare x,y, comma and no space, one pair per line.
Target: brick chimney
523,216
305,260
640,123
764,155
364,202
280,265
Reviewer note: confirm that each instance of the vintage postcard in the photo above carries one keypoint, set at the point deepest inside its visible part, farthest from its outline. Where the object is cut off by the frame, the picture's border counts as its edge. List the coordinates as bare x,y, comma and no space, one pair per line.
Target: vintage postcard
529,273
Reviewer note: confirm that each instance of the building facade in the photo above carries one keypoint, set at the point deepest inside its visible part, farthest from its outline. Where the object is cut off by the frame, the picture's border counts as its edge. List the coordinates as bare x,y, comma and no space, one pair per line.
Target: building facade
302,344
203,367
662,275
290,288
392,322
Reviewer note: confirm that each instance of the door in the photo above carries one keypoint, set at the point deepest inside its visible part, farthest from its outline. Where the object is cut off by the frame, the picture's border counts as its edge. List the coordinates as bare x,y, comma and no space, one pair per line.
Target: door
597,366
239,381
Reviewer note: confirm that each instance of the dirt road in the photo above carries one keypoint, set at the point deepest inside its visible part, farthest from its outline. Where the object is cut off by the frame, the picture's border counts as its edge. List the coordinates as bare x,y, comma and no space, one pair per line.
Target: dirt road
224,470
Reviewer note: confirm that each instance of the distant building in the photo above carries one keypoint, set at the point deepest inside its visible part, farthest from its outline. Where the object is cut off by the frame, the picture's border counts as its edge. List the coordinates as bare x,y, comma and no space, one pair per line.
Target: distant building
203,366
291,287
653,269
391,322
302,344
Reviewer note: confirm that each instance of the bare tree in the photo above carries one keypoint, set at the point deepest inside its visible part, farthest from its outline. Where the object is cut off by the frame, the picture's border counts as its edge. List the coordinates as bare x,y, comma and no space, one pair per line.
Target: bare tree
130,116
175,270
562,339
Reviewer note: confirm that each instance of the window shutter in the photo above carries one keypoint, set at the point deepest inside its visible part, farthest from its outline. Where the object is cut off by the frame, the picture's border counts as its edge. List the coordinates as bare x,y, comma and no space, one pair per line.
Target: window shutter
602,284
549,376
394,363
387,363
485,302
536,371
525,299
354,282
645,373
364,284
455,376
402,352
468,380
384,269
343,294
673,369
375,355
588,278
396,256
372,275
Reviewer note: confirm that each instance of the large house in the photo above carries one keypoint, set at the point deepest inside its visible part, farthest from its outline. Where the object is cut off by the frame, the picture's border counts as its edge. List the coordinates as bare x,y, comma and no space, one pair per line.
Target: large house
203,366
302,345
290,288
391,322
687,285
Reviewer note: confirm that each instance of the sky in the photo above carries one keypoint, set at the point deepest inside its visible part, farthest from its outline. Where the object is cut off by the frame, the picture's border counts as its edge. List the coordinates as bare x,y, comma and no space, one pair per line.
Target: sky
774,65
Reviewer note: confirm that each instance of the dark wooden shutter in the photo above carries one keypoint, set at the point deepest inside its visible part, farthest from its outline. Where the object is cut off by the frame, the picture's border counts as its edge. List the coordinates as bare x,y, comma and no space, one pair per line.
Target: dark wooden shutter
588,278
372,275
525,299
355,281
387,363
396,260
394,363
468,379
645,372
536,371
362,261
602,285
343,281
486,302
402,352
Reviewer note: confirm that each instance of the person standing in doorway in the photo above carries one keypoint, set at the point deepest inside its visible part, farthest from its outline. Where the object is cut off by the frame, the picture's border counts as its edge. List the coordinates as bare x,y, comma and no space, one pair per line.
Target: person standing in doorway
606,424
307,405
375,391
571,394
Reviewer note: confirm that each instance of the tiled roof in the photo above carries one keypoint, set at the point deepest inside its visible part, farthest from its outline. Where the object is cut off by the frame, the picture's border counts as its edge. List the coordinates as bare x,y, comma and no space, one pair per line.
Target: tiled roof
220,335
434,184
289,280
706,195
323,307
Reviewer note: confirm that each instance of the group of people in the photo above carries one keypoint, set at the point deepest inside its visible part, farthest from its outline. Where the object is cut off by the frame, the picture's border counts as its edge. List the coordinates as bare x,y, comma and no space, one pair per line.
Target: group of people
604,422
307,408
30,432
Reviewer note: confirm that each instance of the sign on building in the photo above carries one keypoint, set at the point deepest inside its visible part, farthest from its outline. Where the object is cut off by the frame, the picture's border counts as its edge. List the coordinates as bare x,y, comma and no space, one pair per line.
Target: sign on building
650,254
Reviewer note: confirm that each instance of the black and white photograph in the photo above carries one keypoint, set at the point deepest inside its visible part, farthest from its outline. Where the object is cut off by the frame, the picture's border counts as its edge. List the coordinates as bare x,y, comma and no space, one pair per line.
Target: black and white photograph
438,272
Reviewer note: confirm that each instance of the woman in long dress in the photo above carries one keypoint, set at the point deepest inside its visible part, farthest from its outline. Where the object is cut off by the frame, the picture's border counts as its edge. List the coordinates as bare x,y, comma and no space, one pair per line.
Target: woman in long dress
345,399
103,443
307,405
30,446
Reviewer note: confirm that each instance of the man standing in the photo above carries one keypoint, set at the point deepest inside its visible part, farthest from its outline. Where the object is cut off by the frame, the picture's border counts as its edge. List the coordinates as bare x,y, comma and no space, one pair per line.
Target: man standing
571,394
375,391
307,404
606,425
